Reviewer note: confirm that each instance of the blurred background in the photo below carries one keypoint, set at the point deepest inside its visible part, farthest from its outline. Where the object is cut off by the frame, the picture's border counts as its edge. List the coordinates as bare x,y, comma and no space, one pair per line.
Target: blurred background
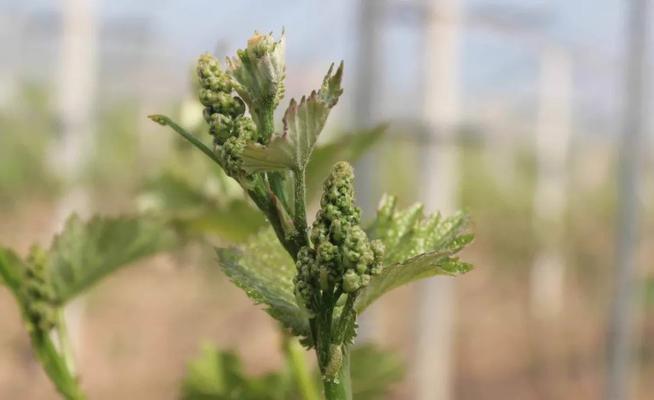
531,115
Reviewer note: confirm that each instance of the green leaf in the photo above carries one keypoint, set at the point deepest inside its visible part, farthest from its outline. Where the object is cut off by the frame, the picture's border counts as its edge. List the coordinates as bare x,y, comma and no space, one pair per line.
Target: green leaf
235,222
218,375
416,268
171,193
84,253
374,371
11,269
265,271
408,233
194,212
303,123
346,147
277,156
417,247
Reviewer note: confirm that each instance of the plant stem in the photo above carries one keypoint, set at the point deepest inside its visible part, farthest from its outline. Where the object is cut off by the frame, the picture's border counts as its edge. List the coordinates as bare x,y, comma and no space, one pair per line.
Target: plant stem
341,387
267,124
347,318
56,366
300,214
260,195
299,369
65,346
165,121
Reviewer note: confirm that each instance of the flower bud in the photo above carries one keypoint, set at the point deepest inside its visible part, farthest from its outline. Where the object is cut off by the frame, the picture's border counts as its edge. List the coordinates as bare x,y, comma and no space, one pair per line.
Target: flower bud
259,71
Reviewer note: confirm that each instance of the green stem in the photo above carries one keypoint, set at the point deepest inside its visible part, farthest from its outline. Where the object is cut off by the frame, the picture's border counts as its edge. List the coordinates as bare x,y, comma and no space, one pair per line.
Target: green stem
300,214
267,124
298,367
348,316
259,194
56,366
165,121
276,180
341,387
65,346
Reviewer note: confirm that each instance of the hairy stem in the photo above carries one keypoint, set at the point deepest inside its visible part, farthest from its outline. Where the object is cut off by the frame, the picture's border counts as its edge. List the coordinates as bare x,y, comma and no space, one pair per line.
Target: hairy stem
267,124
299,369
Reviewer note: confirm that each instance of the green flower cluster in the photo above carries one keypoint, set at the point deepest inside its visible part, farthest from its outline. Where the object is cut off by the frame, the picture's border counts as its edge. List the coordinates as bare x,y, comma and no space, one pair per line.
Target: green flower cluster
37,291
224,112
341,258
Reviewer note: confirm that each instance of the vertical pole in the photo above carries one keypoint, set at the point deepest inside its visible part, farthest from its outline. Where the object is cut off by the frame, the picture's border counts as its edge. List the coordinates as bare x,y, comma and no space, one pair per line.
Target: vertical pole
436,314
75,100
553,132
623,311
368,62
11,28
76,88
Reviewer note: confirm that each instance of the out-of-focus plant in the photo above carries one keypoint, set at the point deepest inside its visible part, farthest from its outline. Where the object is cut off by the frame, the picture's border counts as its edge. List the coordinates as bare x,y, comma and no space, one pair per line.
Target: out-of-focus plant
46,280
315,280
218,375
25,136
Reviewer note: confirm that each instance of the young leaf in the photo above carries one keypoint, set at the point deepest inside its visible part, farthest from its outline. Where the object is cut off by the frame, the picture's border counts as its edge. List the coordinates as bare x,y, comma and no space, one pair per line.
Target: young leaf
303,123
194,212
417,247
277,156
171,193
236,221
265,272
86,252
408,233
419,267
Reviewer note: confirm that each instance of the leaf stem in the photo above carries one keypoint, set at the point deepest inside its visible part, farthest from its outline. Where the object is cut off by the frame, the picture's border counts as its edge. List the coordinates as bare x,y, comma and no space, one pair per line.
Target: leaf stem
165,121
